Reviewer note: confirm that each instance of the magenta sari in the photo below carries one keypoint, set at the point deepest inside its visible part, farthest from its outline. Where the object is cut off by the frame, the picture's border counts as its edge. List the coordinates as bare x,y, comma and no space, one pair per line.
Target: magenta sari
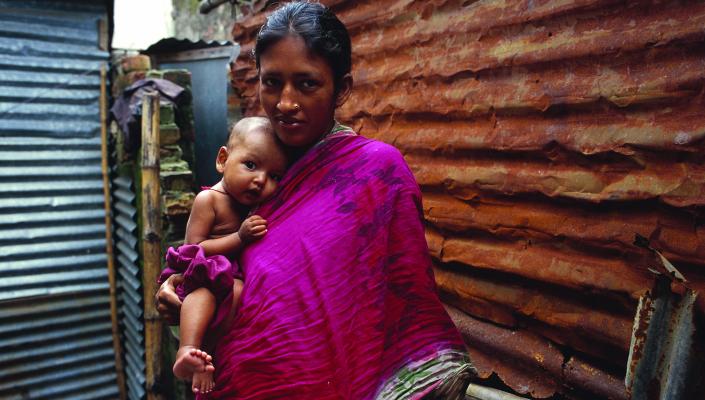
339,299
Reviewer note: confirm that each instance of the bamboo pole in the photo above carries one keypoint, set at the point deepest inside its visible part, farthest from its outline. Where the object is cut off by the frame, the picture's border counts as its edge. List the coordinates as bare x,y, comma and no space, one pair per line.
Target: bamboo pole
152,241
117,346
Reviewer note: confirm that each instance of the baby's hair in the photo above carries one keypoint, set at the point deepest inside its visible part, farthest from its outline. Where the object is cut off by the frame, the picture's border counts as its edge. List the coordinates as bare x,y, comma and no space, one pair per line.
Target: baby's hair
238,129
319,28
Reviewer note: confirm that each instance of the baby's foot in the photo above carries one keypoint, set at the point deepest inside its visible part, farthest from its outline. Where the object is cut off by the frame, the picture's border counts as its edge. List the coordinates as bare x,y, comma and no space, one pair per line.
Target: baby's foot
203,381
190,360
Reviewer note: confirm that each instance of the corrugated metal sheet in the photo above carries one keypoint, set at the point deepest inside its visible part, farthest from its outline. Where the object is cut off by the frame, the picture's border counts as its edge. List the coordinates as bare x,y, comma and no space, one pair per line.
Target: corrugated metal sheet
55,326
130,286
544,135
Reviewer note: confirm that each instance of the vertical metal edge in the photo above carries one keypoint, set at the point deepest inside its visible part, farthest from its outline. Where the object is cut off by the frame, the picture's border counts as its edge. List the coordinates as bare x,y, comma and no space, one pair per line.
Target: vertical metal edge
120,373
661,355
644,311
678,367
151,236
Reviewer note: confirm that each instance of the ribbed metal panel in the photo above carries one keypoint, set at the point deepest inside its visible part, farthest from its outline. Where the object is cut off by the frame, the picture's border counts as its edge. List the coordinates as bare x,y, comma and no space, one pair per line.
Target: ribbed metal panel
544,135
55,325
130,287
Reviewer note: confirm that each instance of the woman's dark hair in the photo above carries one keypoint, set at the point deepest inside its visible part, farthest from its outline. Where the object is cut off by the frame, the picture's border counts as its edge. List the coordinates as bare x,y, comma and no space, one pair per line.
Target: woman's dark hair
319,28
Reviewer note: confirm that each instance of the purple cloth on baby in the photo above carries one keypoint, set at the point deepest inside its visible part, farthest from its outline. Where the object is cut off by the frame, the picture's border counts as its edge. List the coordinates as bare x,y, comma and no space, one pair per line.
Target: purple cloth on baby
215,273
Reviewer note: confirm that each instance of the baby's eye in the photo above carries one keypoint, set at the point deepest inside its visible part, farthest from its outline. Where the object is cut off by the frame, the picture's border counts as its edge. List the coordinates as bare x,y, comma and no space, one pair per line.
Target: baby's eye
275,177
250,165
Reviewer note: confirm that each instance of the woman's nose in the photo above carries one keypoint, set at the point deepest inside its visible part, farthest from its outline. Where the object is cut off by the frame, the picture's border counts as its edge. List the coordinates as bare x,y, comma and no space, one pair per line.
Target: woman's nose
287,101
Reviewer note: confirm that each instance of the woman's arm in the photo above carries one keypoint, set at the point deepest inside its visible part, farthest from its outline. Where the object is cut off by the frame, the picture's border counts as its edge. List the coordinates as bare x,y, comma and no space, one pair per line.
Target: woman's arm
168,303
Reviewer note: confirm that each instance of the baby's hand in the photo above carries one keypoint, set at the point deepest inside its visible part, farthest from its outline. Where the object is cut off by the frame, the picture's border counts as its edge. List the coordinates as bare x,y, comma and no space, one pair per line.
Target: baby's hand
252,228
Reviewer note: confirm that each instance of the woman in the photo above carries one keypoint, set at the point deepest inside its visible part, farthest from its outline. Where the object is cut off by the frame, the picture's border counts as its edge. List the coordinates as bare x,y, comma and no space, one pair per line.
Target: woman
339,300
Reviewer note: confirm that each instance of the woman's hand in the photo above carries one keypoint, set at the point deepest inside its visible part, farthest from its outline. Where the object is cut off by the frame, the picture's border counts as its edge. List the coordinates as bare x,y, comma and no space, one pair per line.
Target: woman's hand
168,303
252,228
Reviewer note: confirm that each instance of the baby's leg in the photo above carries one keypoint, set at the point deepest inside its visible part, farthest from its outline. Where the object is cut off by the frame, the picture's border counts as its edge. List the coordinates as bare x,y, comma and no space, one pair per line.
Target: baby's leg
191,363
203,381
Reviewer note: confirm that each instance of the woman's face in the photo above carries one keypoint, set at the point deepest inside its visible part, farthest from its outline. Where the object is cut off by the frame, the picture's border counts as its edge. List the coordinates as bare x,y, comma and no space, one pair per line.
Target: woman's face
297,92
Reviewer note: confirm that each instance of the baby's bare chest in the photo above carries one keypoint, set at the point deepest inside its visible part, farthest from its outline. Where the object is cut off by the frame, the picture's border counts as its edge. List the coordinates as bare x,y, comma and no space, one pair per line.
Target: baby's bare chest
227,220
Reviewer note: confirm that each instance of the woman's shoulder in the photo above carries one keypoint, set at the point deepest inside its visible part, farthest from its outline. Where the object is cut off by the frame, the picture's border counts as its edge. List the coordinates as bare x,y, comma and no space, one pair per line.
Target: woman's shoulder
384,152
367,153
383,159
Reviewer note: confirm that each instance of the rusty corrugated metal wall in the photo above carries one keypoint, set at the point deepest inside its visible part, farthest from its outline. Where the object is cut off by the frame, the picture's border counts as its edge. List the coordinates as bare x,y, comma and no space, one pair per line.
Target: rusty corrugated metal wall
545,135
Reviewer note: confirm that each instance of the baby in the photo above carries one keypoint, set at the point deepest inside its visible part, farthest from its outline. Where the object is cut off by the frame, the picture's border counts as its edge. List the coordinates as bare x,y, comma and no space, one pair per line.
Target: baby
252,164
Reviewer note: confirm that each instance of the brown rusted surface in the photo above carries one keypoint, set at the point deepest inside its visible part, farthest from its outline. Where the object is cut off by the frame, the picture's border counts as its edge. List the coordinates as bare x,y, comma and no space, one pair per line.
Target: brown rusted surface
547,263
545,135
453,48
610,226
537,367
568,315
682,185
563,83
682,129
536,362
645,311
584,375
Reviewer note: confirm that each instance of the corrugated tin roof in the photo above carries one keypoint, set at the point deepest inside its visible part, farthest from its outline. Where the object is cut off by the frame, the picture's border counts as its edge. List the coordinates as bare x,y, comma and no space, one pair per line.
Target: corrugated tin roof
544,135
173,45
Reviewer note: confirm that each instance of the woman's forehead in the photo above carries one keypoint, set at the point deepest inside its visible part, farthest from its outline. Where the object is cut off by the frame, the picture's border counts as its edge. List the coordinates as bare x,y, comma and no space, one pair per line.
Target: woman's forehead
290,55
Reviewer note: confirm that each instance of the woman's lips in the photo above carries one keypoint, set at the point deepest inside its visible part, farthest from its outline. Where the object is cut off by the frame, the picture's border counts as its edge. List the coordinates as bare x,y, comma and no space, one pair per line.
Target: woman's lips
288,123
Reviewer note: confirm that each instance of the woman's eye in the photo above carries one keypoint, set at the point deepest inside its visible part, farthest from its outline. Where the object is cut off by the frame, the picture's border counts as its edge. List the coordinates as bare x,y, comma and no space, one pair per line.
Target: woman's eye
309,84
270,82
250,165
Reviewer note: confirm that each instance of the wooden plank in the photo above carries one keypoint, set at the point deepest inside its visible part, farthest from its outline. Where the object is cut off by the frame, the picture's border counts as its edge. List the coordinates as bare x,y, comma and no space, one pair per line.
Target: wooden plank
119,369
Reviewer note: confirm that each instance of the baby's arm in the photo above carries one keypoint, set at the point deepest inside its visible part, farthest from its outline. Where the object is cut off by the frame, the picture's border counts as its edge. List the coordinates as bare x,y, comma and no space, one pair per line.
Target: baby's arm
201,222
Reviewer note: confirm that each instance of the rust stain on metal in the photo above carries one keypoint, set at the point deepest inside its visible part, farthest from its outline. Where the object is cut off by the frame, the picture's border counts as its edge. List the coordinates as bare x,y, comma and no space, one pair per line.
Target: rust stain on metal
662,352
611,227
548,263
680,186
579,373
641,323
545,135
571,319
551,39
489,344
660,75
680,129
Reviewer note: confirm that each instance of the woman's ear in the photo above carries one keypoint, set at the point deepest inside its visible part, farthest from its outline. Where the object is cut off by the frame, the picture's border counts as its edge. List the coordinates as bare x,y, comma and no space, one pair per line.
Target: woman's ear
221,159
344,91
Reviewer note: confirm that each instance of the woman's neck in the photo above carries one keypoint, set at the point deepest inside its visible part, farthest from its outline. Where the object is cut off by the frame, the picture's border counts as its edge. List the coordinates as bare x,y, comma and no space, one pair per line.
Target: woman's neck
297,152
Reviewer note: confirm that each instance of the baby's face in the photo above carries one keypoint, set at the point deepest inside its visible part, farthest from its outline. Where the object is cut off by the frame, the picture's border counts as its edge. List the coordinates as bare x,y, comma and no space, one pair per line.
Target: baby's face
253,167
